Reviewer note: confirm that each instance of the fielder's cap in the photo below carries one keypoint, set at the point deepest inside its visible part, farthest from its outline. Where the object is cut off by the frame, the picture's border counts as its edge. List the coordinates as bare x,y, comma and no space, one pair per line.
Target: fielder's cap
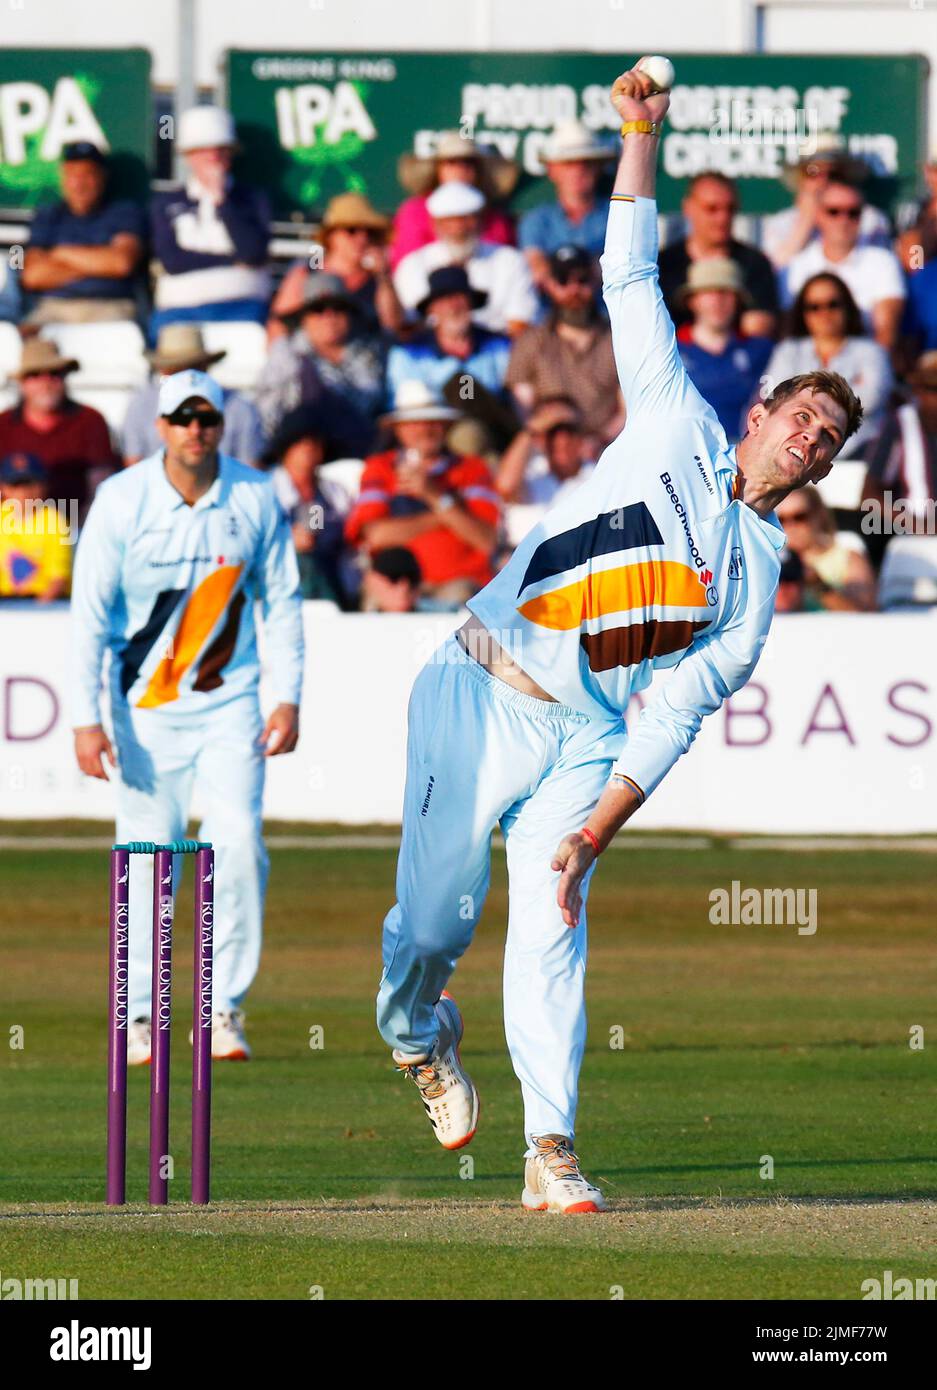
455,200
182,386
22,468
83,149
205,128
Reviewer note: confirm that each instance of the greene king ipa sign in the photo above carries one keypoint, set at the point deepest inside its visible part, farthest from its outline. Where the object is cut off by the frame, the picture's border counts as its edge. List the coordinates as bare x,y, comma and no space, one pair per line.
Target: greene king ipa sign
50,97
313,125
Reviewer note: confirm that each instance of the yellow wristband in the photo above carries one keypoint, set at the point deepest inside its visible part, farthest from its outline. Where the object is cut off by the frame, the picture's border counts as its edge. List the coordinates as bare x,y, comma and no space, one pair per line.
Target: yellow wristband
641,127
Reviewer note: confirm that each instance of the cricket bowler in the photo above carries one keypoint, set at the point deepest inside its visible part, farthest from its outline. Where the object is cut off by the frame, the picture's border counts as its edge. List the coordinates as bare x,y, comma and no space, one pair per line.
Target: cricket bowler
667,558
175,555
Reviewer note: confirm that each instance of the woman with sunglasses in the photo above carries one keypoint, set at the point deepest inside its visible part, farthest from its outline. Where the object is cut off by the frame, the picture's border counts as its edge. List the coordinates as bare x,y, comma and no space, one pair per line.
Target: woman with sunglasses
835,577
825,332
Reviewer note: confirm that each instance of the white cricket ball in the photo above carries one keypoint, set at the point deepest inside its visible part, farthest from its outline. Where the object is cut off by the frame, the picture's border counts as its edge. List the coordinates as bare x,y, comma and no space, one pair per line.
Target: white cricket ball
660,71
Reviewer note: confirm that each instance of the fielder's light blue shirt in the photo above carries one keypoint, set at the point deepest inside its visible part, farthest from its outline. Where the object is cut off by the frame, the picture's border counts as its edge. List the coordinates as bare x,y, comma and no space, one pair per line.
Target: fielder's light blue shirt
653,563
168,591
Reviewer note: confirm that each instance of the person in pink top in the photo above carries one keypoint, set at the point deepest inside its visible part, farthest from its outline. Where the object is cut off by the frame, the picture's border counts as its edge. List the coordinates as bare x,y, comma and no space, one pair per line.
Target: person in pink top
457,159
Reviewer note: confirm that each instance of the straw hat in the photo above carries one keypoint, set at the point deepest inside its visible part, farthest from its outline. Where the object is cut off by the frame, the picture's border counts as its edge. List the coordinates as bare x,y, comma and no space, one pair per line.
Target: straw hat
181,346
715,273
497,177
41,355
353,210
414,400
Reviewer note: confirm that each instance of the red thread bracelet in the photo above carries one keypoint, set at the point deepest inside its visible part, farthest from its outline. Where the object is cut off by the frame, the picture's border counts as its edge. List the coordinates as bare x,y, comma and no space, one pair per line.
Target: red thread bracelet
592,838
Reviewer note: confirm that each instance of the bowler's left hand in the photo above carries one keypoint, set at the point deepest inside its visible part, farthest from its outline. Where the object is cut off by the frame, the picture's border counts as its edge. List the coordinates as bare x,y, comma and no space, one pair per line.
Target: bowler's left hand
281,731
574,856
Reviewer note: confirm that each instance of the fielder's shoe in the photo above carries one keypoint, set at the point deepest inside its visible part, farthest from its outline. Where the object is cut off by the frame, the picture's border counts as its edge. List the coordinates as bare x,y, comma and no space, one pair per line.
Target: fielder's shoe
446,1089
139,1044
228,1043
553,1182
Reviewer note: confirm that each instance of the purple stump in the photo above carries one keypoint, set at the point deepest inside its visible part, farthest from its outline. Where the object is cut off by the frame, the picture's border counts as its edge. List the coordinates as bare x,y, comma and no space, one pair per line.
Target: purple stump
161,1018
201,1025
117,970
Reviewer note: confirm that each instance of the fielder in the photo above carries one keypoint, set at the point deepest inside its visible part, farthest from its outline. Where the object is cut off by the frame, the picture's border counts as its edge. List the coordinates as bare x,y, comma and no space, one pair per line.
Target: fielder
666,558
172,557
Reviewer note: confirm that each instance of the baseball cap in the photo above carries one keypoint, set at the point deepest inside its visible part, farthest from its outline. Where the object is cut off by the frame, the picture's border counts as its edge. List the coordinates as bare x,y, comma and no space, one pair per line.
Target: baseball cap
83,149
568,258
21,468
181,385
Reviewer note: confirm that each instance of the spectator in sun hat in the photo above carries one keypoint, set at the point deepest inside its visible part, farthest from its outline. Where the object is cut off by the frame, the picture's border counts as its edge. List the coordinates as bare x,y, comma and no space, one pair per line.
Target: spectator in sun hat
85,250
784,234
453,349
724,367
71,440
354,247
570,353
574,159
315,507
210,236
180,347
500,272
441,506
456,159
35,537
322,363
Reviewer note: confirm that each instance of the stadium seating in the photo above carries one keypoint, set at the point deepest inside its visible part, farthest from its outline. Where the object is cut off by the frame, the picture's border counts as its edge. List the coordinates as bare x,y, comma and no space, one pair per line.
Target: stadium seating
108,354
909,573
245,345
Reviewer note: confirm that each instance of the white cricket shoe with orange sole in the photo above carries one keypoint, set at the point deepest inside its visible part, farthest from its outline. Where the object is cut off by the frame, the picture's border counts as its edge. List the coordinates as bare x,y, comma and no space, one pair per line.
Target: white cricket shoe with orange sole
553,1180
445,1087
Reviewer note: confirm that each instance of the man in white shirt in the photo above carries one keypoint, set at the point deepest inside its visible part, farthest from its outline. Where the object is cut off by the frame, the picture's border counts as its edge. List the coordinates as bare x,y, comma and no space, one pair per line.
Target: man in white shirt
500,272
873,274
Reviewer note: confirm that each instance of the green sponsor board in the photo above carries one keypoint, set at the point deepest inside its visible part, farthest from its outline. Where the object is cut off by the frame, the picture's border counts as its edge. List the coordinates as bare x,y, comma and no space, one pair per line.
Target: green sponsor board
313,125
50,97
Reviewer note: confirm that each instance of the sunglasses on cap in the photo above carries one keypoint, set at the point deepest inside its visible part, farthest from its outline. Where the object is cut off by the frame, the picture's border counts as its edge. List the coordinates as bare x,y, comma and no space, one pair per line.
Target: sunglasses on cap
207,418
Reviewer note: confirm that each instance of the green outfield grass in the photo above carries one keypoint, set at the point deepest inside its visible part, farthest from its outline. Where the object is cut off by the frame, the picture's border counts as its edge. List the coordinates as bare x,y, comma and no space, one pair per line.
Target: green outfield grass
736,1043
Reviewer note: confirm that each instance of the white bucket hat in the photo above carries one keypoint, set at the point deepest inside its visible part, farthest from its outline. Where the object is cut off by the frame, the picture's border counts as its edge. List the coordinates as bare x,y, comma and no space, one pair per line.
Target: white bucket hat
571,140
206,127
414,400
455,200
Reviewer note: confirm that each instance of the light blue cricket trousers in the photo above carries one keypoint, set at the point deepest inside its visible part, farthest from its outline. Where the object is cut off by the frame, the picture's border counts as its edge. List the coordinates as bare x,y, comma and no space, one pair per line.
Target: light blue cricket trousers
160,761
479,754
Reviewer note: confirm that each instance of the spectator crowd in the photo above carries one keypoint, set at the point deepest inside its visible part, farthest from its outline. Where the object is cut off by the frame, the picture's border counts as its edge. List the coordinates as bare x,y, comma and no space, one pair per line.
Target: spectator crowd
436,374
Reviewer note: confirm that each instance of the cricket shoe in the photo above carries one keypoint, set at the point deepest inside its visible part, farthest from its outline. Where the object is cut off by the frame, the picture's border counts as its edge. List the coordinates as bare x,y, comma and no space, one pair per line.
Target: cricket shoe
445,1088
139,1043
553,1181
228,1042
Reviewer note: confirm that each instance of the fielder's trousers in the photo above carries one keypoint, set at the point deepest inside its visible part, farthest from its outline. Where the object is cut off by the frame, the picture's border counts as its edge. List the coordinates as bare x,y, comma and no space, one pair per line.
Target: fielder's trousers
161,760
479,754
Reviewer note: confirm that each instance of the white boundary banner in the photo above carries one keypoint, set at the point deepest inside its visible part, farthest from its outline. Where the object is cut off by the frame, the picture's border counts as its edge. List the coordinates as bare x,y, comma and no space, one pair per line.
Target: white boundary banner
835,734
